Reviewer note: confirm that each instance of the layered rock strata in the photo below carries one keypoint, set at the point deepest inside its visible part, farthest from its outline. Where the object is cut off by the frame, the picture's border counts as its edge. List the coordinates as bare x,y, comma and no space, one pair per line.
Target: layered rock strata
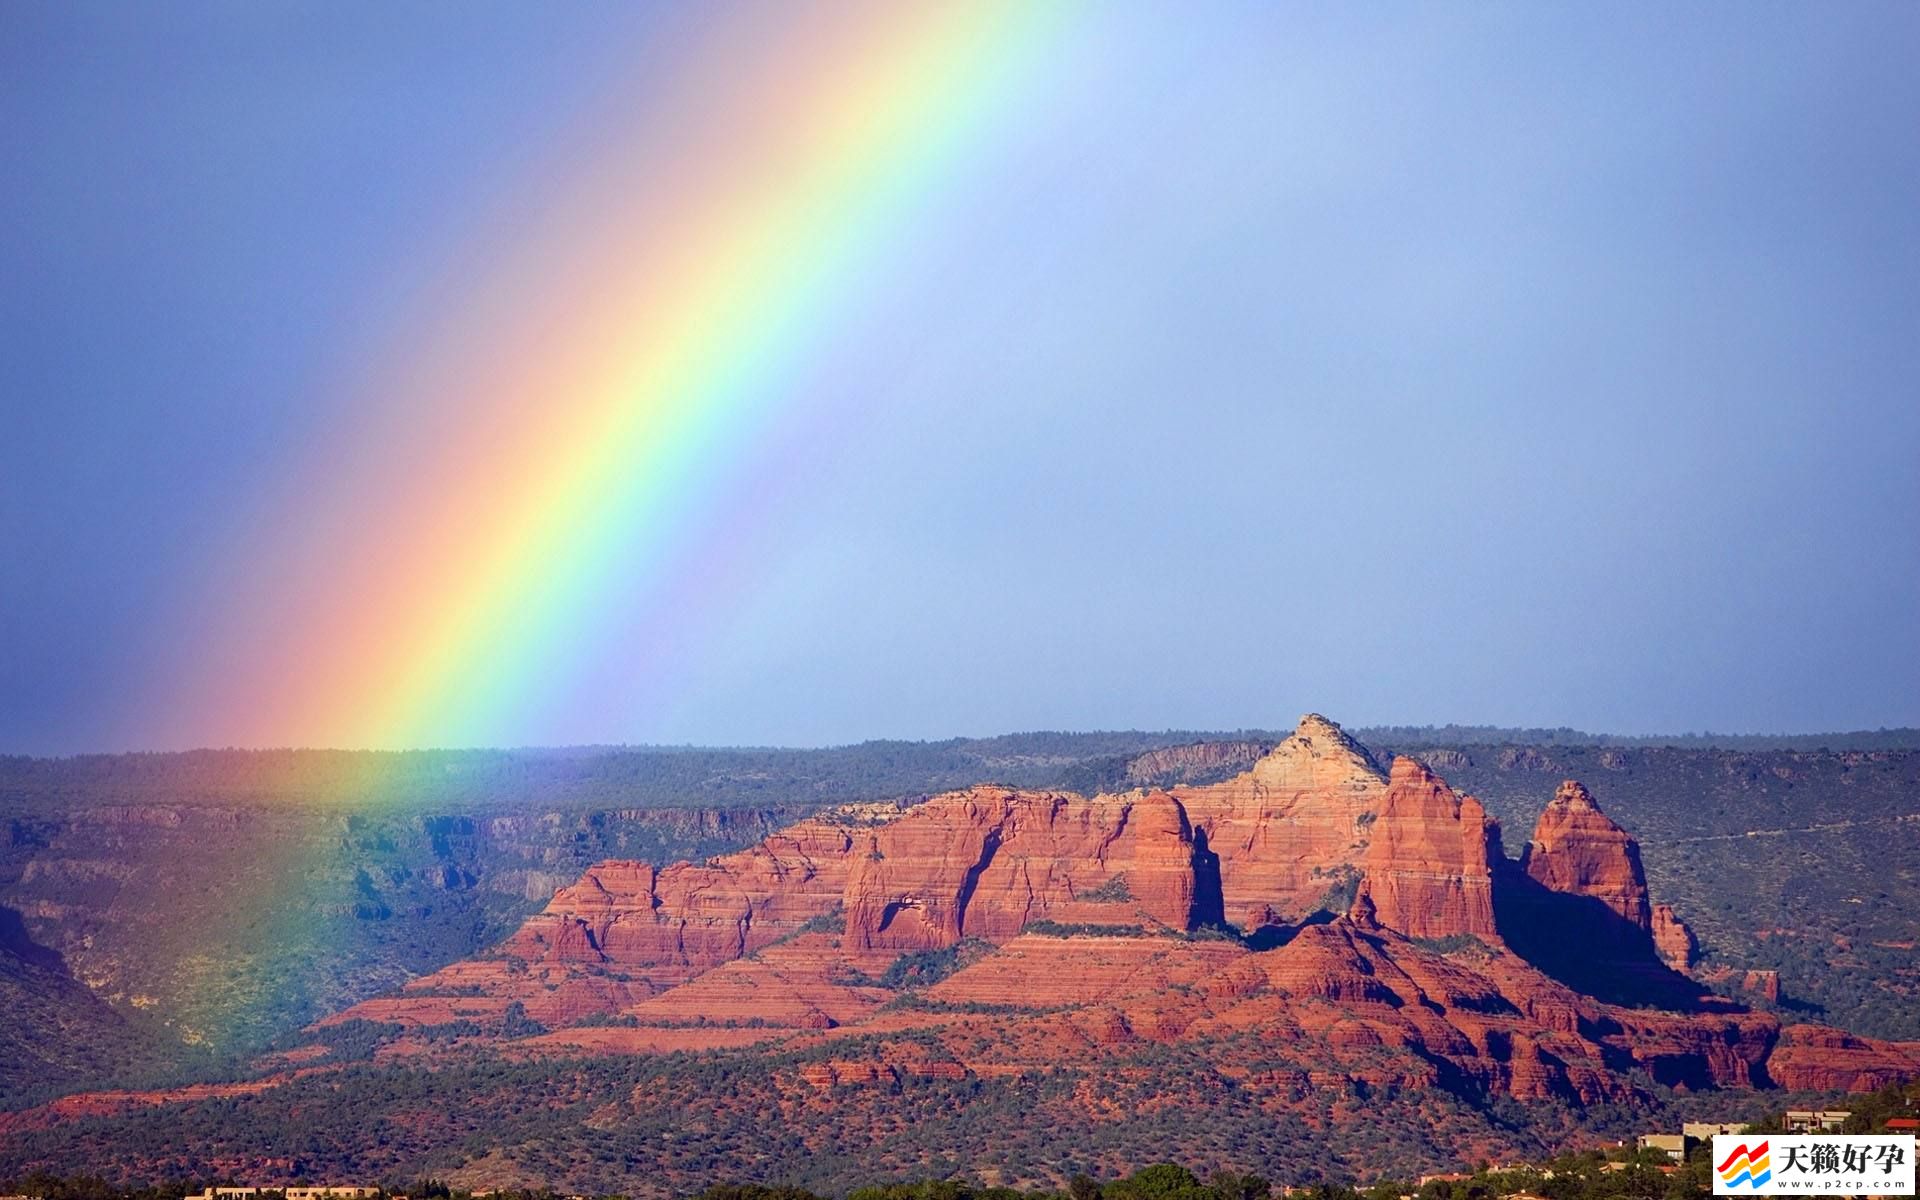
1048,927
1578,850
1290,826
1672,939
1429,867
985,863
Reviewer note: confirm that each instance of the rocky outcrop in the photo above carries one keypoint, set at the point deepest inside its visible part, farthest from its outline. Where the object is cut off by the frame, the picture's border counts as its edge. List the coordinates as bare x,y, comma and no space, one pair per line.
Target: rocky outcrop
627,930
1352,1006
1201,762
1297,817
1763,984
1578,850
1442,761
1672,939
1042,971
1452,967
1429,867
669,925
984,863
993,934
803,983
1818,1059
1576,906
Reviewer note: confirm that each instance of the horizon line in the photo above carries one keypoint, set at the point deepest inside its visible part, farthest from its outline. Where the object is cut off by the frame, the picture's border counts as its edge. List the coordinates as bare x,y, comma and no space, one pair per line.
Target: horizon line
1360,732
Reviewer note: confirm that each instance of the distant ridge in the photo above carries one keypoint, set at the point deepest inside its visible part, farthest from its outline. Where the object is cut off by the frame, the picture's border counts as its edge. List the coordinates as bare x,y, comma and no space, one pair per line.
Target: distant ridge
754,777
1411,736
1024,746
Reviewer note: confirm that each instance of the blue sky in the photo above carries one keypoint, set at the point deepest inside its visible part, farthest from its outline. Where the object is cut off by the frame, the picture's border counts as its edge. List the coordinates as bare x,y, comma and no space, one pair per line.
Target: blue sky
1529,364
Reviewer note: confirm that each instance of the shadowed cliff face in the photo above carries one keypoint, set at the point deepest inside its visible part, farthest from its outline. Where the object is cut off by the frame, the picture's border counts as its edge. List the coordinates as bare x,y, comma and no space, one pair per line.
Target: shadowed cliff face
1586,944
1578,850
1209,900
1776,860
1576,905
15,941
54,1033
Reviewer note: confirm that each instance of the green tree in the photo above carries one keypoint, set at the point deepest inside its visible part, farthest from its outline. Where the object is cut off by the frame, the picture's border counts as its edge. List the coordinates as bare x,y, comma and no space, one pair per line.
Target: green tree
1228,1185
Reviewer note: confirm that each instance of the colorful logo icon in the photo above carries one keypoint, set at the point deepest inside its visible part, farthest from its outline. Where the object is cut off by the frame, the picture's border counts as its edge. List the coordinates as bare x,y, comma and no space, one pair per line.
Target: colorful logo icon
1747,1164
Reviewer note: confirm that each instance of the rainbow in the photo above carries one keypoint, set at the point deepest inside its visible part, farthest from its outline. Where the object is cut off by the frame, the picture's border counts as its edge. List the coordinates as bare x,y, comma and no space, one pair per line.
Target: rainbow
556,453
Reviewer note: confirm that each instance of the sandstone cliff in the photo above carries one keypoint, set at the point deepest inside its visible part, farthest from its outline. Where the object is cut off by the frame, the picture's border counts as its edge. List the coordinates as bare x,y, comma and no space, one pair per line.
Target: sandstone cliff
1199,763
1040,929
1576,905
1672,939
1429,868
626,930
672,924
985,863
1577,849
1291,825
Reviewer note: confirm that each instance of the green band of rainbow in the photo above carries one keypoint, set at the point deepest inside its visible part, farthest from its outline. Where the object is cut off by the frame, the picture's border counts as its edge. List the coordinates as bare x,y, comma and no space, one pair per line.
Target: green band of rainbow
529,477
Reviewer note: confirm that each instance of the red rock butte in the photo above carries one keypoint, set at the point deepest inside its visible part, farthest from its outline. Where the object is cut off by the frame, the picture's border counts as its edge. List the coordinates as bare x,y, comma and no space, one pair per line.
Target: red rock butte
1578,849
1370,920
1429,867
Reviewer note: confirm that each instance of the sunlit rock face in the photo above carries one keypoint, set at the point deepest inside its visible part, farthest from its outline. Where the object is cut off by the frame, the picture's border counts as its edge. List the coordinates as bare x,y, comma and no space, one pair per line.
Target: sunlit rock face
1578,849
984,863
1429,865
1292,826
